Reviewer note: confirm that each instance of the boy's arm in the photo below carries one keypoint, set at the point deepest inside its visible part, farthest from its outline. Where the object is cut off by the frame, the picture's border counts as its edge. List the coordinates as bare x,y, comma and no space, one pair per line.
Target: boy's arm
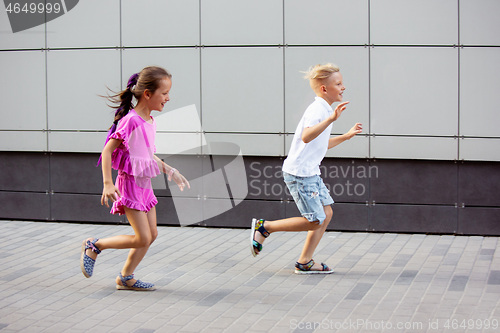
311,133
356,129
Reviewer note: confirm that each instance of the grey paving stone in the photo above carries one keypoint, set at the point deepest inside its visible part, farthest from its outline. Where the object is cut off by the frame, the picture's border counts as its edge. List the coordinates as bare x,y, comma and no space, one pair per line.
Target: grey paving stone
458,283
406,277
359,291
494,277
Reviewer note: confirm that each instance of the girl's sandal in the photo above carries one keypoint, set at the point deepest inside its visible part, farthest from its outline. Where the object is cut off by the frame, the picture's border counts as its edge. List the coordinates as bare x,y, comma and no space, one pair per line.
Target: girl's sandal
306,268
138,285
86,262
257,225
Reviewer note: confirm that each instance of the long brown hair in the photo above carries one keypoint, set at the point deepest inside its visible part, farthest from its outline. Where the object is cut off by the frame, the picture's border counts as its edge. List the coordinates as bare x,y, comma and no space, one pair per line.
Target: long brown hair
147,79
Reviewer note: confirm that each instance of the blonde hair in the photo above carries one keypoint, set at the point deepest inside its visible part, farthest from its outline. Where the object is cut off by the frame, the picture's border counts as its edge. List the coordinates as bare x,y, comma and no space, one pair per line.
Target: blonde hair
321,72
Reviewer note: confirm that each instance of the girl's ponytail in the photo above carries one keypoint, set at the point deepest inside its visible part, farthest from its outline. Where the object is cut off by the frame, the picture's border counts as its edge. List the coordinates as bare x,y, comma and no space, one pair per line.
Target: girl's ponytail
125,99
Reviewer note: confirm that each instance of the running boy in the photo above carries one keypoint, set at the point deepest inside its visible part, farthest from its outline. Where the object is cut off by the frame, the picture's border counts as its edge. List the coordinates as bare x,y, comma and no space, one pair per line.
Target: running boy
301,171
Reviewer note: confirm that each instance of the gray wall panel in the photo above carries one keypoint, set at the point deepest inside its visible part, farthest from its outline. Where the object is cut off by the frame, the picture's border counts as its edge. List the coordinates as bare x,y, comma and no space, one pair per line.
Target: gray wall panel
78,106
165,211
22,110
81,208
226,22
414,182
174,22
479,184
25,206
75,173
479,72
350,217
354,65
406,218
404,85
402,22
241,216
306,25
95,24
348,180
479,22
479,221
346,216
24,172
265,179
252,100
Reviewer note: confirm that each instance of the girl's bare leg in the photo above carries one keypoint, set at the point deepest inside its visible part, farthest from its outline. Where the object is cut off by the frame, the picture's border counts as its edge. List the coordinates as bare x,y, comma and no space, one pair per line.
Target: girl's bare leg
143,233
144,225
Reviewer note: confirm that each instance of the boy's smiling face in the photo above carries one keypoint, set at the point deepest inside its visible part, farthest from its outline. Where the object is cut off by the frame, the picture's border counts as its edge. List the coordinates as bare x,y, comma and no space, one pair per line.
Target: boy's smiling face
332,89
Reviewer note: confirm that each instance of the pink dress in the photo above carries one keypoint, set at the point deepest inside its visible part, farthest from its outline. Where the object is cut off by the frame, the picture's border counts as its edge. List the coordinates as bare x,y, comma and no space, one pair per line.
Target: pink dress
135,164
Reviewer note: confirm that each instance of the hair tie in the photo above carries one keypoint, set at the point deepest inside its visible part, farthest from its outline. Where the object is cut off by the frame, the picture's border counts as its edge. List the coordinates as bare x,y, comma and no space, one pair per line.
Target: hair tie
132,81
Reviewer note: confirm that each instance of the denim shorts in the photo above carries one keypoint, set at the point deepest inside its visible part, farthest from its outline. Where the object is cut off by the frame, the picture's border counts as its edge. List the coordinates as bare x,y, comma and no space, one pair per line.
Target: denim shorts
310,195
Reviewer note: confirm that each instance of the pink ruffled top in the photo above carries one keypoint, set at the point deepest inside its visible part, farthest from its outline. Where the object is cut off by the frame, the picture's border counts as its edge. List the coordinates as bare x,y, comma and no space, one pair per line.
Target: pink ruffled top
134,155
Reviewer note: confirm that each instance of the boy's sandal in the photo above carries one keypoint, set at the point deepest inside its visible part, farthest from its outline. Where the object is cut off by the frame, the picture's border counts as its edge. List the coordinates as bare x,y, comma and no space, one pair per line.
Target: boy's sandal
138,285
86,262
257,225
306,268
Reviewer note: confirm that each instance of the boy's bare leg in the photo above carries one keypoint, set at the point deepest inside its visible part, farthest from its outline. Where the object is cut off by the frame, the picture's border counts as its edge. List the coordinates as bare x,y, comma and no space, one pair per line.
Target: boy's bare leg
289,224
313,238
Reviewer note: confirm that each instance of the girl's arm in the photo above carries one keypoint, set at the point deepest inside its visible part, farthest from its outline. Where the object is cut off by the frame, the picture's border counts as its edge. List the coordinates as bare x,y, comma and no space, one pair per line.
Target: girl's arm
356,129
172,173
311,133
109,190
164,167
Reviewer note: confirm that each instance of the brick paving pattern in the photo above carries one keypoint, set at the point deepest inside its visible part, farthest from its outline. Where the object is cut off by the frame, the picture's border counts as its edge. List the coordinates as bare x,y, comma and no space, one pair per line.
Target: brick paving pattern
208,282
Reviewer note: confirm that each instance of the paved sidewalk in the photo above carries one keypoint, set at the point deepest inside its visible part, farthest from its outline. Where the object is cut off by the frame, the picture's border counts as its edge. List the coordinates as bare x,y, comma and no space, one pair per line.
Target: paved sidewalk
208,282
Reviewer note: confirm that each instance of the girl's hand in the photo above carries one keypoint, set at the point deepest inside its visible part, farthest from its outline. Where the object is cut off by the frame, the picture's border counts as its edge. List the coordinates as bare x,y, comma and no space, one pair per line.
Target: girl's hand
179,179
109,192
338,111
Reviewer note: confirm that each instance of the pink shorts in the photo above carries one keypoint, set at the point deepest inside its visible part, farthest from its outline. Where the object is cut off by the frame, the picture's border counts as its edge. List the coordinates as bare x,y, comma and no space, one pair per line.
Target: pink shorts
136,193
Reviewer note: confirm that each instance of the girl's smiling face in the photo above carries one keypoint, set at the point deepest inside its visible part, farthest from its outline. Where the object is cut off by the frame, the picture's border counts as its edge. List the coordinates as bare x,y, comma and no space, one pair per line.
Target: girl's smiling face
161,96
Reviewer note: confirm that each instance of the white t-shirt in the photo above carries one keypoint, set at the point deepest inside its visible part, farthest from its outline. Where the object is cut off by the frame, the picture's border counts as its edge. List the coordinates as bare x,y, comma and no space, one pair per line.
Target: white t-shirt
304,158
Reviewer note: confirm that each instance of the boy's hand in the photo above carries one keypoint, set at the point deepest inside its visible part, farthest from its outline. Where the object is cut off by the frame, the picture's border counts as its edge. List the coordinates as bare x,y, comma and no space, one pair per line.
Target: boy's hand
338,111
356,129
